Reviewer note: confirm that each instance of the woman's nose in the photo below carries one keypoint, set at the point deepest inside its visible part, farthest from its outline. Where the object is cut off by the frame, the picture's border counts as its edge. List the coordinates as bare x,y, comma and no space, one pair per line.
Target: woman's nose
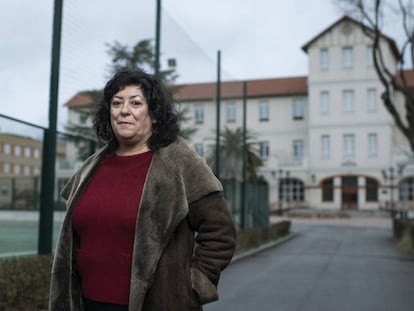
124,108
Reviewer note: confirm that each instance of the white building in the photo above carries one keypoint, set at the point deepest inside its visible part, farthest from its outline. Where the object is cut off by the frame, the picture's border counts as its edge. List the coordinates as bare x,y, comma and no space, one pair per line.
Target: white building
328,131
325,138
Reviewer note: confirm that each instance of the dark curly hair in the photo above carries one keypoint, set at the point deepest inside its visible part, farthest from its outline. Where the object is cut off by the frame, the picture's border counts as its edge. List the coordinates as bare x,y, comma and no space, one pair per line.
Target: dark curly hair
165,130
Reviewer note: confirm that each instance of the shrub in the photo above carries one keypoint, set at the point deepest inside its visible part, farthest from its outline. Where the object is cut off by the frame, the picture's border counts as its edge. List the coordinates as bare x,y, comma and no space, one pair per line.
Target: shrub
24,283
251,238
403,230
406,241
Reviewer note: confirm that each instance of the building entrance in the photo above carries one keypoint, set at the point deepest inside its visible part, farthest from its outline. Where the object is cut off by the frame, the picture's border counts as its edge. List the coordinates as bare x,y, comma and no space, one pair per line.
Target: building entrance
349,186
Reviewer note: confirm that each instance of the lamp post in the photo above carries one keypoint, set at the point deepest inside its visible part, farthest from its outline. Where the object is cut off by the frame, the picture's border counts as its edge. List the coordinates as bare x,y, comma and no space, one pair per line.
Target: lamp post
390,175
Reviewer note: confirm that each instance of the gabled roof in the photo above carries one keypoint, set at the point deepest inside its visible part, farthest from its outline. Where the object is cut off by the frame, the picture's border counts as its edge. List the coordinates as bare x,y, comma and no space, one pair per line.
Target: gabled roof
345,18
81,99
234,89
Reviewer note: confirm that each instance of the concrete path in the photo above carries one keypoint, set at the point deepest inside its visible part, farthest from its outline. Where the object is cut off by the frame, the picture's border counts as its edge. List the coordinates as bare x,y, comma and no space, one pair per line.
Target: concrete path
346,266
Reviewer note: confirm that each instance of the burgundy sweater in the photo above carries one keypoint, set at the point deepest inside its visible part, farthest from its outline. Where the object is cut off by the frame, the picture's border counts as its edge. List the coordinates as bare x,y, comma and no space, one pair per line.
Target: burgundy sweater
104,221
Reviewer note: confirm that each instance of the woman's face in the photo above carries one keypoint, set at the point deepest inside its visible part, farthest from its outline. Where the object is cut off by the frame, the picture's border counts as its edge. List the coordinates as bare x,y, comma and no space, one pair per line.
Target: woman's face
130,118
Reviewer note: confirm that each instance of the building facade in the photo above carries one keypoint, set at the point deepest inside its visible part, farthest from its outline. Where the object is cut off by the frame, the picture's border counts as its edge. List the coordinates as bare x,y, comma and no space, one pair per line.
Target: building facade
20,170
325,139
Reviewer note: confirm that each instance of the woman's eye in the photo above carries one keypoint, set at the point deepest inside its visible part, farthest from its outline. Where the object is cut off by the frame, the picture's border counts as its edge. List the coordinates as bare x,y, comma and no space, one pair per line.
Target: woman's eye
136,103
116,103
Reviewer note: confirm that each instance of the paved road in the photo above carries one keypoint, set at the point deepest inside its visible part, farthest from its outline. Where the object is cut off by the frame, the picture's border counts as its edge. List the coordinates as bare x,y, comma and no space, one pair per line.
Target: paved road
325,268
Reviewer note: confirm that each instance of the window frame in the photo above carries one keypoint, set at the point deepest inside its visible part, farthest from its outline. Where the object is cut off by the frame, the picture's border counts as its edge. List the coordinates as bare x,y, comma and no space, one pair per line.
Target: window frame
325,101
264,150
372,145
199,114
324,59
298,149
348,145
348,101
231,112
325,146
372,102
347,57
298,109
264,111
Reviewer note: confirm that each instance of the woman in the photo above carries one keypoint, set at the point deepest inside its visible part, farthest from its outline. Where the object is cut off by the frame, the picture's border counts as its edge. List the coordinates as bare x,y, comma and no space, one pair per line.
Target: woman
128,238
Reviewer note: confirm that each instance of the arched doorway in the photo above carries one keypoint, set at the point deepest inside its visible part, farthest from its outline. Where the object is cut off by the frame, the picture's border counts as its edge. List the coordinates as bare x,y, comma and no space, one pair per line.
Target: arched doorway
349,189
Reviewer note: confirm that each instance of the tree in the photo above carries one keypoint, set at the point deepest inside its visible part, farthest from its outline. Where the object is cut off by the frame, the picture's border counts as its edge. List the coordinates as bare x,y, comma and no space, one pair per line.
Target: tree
372,15
141,55
231,154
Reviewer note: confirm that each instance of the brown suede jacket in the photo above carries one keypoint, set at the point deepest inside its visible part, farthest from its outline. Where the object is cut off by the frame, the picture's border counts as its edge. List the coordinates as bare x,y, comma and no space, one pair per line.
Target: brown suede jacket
173,268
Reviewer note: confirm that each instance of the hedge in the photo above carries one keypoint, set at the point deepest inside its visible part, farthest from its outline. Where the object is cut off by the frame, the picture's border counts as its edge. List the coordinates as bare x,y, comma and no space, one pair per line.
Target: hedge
24,283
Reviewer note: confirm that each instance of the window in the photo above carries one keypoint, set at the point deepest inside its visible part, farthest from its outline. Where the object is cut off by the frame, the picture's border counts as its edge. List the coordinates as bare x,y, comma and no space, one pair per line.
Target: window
199,114
348,101
7,149
406,189
328,190
347,57
371,190
264,151
27,152
370,58
372,99
325,146
349,145
298,109
36,171
83,117
325,101
372,145
231,112
324,59
17,150
291,189
263,111
16,170
6,168
298,147
26,170
36,153
199,149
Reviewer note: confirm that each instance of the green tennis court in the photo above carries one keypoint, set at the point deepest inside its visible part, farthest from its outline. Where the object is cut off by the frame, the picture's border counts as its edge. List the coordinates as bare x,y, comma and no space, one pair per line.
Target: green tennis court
21,237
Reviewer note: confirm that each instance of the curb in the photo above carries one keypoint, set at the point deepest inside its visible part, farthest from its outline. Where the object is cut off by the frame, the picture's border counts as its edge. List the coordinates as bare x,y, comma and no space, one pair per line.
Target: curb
263,247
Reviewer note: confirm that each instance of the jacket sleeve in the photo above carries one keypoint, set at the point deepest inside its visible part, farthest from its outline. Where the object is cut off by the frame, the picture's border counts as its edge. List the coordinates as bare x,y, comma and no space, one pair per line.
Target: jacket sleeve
216,240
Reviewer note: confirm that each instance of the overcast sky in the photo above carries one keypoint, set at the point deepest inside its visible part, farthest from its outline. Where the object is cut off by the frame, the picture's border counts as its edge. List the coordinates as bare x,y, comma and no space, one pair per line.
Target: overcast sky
257,39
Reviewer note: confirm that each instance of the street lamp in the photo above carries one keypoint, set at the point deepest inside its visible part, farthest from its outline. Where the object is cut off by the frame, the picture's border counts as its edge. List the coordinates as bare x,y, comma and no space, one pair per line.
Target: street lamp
390,175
